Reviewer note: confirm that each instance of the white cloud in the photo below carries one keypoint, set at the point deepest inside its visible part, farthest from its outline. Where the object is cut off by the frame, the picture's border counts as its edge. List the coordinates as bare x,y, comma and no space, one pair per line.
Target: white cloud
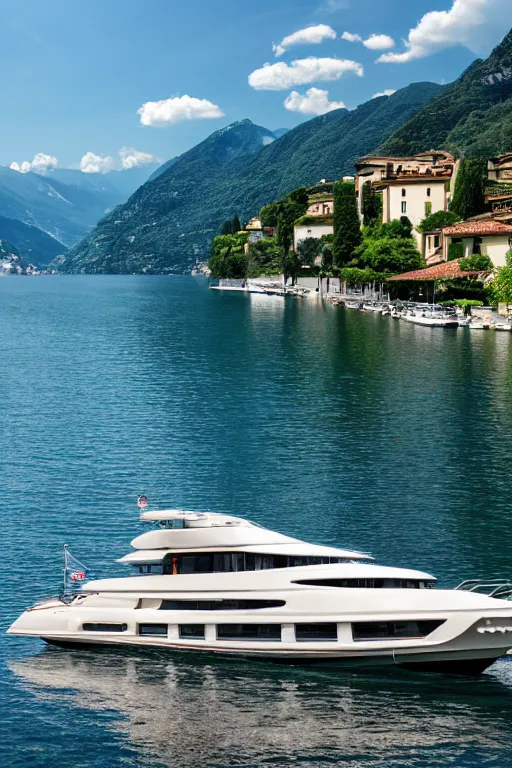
373,42
314,102
476,24
387,92
308,36
281,76
39,164
351,38
379,42
132,158
92,163
177,109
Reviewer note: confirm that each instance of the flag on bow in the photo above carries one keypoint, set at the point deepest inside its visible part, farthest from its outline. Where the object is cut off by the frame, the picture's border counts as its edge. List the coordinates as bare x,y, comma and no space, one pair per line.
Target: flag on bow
75,573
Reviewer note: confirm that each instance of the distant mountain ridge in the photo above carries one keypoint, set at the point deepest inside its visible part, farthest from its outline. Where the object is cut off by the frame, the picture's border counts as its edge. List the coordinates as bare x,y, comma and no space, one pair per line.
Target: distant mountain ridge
472,117
64,203
169,222
34,245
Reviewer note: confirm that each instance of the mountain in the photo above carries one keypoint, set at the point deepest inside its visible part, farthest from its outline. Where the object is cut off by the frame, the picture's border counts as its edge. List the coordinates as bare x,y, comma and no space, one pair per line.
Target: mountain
34,245
65,203
169,222
472,117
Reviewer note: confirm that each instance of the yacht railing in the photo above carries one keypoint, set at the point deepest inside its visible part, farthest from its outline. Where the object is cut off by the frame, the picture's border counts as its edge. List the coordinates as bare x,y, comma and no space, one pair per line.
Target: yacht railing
499,588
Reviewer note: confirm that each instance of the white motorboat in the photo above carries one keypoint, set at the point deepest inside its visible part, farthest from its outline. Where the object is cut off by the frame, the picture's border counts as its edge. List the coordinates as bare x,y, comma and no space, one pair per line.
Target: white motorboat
352,304
476,326
220,584
435,317
503,327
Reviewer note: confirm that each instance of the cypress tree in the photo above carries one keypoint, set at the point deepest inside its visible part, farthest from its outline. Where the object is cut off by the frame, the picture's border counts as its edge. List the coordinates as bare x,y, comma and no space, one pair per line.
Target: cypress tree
235,225
347,229
227,228
469,195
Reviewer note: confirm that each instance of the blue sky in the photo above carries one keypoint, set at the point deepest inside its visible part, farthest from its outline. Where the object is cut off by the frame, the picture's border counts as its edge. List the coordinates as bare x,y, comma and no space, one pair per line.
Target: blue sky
74,73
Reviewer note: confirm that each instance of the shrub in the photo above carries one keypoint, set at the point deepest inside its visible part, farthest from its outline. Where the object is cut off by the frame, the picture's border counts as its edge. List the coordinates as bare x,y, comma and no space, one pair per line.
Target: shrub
438,220
500,289
455,251
477,262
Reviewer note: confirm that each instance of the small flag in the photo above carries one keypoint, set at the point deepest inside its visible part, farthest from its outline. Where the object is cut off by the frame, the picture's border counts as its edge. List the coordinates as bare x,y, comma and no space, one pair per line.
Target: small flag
75,573
142,501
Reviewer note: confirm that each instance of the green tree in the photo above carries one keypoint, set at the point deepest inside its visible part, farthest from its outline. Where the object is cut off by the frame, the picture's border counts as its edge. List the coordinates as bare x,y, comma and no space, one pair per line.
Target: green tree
347,229
439,220
308,250
235,224
228,258
500,288
469,194
390,255
395,230
371,204
264,258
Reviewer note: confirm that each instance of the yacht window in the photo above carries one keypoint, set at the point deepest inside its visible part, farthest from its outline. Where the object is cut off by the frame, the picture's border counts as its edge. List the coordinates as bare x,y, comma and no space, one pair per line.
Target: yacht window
150,569
305,632
381,630
192,631
218,605
249,632
222,562
152,629
90,627
368,583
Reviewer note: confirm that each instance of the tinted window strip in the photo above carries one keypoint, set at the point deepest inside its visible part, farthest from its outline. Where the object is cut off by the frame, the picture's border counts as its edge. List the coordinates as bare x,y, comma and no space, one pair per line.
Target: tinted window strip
100,627
219,605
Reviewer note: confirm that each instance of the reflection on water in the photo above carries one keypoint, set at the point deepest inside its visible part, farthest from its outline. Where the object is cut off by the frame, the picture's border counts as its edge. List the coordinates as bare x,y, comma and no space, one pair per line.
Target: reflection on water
339,427
188,712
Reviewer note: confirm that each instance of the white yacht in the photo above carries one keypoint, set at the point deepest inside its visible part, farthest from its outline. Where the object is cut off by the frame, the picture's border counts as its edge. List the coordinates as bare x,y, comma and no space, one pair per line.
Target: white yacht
216,583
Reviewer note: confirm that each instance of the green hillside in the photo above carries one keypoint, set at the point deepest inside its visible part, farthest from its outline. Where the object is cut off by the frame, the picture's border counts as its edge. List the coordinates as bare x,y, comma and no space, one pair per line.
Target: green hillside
473,116
170,221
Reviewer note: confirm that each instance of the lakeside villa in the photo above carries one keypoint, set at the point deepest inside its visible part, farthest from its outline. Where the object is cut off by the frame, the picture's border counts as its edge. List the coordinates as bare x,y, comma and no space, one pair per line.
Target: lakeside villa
414,187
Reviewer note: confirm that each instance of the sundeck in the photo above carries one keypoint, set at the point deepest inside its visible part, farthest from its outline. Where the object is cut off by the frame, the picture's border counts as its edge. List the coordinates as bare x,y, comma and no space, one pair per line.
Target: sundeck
217,583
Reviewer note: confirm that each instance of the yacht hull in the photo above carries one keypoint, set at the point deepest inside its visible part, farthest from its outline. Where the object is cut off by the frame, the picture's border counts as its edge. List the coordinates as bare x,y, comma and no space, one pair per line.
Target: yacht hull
448,663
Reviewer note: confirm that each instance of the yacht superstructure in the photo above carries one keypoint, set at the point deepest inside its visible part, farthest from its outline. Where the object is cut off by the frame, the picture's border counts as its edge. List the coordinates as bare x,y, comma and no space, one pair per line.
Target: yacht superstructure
209,582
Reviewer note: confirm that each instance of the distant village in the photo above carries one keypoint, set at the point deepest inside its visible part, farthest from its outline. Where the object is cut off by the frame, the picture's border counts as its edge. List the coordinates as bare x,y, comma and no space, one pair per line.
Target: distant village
417,192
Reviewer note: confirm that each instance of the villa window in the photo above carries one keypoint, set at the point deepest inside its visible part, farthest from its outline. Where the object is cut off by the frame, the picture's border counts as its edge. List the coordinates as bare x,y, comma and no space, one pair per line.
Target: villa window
101,627
404,192
399,630
192,631
404,207
156,630
429,191
270,632
317,632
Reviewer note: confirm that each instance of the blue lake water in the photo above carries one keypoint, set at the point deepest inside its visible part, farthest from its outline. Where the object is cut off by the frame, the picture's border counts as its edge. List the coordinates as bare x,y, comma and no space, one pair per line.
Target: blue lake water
339,427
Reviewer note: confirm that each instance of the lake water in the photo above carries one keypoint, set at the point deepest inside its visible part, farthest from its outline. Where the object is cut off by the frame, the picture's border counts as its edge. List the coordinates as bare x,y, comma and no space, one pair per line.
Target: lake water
335,426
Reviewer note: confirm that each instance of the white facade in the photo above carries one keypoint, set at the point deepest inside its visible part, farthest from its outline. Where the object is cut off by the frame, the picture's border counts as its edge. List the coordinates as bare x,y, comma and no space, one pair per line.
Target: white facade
414,199
495,247
304,231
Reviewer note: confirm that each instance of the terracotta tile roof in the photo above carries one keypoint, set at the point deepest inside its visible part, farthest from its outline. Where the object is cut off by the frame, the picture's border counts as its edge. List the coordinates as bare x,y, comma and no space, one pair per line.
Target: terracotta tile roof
485,227
448,269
